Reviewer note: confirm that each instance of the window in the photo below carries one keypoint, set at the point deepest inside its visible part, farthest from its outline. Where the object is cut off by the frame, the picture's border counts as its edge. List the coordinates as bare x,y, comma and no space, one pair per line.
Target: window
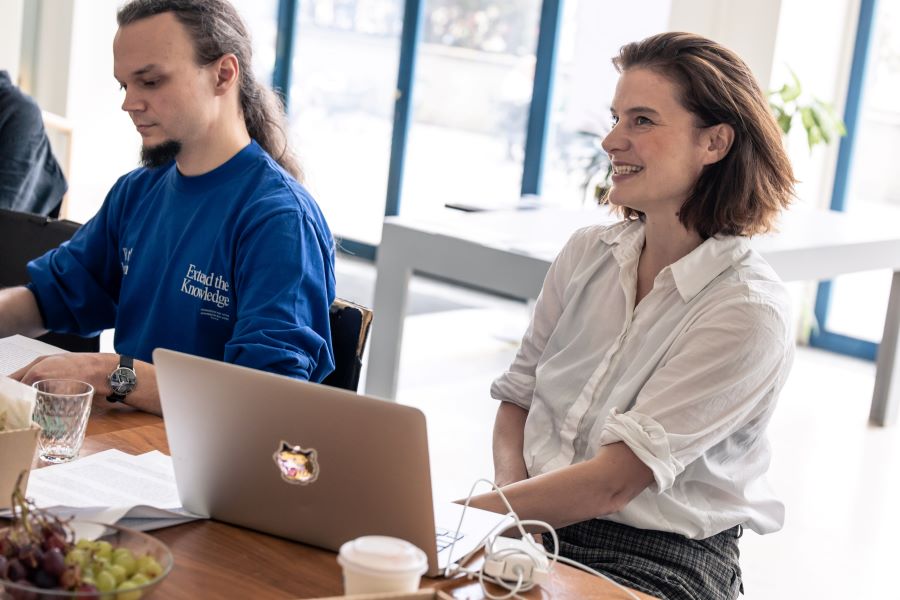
261,18
341,108
471,99
851,309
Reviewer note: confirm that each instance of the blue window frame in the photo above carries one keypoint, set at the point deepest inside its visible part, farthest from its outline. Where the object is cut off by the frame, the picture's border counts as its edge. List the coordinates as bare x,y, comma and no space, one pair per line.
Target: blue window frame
823,338
538,119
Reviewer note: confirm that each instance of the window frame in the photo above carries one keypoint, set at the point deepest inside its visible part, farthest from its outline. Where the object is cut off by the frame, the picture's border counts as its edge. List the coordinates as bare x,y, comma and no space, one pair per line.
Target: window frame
822,337
539,114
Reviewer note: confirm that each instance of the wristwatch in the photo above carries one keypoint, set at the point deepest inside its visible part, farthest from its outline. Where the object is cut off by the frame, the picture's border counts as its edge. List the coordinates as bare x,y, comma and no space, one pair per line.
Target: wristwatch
122,380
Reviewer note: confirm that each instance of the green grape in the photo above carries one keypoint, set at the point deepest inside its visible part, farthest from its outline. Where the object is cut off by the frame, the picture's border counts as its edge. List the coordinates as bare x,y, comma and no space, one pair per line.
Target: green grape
105,581
102,549
126,561
84,544
149,566
99,564
78,556
121,552
127,591
139,579
118,572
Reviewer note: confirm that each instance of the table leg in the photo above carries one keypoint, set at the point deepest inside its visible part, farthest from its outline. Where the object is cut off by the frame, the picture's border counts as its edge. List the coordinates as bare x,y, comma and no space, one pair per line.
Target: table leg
389,311
886,397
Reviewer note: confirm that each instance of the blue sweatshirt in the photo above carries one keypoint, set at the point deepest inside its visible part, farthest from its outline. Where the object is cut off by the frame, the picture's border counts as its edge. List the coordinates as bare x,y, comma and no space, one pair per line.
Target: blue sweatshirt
236,264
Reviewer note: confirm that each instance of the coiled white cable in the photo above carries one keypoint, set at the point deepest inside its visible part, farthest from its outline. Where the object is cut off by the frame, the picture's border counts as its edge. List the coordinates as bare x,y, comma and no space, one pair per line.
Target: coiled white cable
520,585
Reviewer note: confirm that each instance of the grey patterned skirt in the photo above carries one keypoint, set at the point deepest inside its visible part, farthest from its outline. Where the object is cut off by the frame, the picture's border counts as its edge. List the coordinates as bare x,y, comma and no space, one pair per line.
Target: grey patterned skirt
665,565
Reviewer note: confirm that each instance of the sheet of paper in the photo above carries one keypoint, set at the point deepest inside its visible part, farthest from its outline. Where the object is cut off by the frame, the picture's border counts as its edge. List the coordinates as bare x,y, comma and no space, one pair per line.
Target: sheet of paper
112,487
16,351
107,479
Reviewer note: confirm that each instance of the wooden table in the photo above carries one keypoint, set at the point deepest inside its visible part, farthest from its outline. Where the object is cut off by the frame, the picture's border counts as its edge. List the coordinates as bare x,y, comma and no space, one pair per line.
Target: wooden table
215,560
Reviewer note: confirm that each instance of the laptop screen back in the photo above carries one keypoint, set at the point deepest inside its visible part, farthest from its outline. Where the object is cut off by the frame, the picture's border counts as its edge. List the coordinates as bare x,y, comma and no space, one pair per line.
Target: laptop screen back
295,459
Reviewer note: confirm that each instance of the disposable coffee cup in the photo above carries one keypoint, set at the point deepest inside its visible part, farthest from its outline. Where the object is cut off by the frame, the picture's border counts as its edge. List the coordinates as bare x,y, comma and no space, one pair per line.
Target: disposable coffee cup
377,564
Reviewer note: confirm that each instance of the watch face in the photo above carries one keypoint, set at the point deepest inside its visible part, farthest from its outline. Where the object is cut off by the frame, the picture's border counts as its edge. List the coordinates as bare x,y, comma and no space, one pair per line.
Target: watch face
122,380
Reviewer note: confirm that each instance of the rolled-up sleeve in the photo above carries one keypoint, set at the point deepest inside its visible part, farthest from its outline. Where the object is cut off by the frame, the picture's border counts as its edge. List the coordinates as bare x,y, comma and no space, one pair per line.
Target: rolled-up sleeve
722,374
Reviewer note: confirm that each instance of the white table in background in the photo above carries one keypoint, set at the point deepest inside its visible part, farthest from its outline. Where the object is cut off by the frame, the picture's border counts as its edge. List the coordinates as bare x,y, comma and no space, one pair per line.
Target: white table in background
510,251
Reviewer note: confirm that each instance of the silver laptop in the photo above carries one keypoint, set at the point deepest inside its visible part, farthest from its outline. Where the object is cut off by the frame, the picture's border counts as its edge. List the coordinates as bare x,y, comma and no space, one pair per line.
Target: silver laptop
307,462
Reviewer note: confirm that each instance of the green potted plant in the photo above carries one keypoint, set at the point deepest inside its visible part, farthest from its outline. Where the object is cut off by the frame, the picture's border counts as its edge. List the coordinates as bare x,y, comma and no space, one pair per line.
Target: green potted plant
820,121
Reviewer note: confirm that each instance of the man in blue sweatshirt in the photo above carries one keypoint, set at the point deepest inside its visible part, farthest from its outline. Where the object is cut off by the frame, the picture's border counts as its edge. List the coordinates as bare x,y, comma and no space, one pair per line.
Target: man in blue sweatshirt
212,247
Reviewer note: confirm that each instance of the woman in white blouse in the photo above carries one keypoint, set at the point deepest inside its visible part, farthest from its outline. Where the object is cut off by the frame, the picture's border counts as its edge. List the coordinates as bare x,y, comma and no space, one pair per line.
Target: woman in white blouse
633,417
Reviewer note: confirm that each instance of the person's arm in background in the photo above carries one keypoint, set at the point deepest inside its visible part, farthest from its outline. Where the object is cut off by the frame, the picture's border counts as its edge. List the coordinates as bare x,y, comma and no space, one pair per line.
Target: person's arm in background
19,313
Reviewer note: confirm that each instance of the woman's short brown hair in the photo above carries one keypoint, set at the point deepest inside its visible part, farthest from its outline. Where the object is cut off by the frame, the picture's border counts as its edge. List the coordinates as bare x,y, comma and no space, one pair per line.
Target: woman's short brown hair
742,193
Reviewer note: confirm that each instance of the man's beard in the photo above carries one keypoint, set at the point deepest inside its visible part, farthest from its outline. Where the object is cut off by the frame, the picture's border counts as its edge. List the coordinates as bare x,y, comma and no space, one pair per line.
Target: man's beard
153,157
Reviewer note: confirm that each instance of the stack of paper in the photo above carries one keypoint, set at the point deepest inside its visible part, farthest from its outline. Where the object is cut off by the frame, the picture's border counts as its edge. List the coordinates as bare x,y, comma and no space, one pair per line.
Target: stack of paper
112,487
17,351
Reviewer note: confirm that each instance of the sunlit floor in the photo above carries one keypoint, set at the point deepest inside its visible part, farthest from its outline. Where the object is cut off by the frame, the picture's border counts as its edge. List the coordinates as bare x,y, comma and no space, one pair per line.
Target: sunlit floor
838,476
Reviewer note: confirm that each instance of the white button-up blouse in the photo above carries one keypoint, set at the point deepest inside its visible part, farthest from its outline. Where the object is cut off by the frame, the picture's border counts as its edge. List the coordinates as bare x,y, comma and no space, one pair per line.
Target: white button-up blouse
688,379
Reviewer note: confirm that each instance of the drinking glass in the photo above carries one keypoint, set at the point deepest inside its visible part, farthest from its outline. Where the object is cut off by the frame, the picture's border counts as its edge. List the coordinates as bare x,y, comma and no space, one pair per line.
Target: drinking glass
61,409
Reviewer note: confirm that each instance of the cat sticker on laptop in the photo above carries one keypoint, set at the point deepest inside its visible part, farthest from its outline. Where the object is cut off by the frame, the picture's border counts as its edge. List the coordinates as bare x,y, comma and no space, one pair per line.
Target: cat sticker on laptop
297,466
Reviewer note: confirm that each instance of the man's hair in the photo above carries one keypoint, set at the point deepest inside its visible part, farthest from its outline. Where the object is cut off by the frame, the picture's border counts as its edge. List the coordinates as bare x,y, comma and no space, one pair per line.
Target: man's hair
742,193
216,29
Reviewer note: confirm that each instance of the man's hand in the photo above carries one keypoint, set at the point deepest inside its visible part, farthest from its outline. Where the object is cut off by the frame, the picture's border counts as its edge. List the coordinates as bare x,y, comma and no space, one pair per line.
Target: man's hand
94,368
90,367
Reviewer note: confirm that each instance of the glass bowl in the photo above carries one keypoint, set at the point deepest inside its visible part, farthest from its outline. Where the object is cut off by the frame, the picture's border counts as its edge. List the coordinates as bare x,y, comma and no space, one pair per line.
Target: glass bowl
120,537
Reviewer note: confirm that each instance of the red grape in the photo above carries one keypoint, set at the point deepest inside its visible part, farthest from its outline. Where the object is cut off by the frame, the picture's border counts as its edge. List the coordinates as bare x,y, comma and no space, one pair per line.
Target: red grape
15,570
54,562
45,580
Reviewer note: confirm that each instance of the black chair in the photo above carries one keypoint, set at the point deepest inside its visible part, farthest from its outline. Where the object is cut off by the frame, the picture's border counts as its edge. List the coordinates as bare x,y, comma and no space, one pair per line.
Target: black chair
349,331
23,237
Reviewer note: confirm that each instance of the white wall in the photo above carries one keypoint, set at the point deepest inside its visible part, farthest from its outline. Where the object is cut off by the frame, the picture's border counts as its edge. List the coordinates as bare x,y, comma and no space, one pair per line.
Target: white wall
749,27
105,144
74,78
52,60
11,12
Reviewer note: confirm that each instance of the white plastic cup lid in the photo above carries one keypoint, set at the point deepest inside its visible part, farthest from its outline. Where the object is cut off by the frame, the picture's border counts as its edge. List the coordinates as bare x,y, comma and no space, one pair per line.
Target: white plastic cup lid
383,555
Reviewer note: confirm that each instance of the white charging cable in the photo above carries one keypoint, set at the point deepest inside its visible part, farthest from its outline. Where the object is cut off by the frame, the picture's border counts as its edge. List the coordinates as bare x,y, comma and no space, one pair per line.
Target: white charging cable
527,561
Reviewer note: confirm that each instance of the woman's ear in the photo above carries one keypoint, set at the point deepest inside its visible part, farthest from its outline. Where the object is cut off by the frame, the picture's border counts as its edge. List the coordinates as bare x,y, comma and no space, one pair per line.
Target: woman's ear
718,140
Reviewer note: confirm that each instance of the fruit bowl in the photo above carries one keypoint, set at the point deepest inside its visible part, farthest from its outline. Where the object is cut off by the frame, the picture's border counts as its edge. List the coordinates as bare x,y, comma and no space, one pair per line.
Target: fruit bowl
107,553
